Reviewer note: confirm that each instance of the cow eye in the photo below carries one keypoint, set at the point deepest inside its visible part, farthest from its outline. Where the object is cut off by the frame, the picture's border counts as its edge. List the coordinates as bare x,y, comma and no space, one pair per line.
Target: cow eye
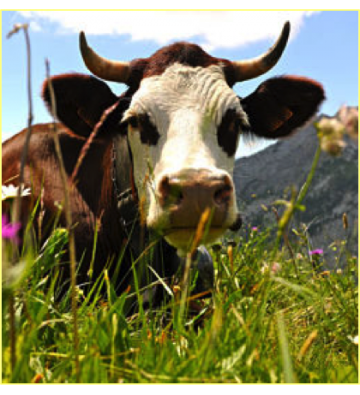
143,125
148,132
228,132
133,122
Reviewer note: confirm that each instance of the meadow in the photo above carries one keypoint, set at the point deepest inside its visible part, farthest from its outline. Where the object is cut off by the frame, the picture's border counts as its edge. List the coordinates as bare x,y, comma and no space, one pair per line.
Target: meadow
276,314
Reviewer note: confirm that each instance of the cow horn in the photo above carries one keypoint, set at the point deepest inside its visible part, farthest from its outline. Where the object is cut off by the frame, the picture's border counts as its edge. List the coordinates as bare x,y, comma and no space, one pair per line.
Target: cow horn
110,70
251,68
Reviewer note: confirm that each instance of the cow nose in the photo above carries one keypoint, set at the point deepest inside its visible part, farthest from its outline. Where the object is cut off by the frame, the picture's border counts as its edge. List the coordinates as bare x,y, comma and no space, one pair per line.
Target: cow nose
204,192
188,195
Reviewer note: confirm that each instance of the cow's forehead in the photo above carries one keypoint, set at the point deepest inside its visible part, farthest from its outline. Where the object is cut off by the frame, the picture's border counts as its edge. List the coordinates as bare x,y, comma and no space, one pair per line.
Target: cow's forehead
199,89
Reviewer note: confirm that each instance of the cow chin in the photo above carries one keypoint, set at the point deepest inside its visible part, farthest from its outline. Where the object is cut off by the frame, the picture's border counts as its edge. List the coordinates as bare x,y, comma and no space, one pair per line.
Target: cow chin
182,239
182,236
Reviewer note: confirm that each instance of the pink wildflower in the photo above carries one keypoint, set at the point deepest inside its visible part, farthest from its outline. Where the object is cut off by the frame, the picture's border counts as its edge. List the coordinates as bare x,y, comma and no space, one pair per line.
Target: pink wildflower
9,230
318,251
275,268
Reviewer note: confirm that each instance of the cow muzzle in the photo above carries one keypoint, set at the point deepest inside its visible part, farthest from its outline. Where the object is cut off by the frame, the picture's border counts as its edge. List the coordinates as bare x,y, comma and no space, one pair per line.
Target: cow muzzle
183,197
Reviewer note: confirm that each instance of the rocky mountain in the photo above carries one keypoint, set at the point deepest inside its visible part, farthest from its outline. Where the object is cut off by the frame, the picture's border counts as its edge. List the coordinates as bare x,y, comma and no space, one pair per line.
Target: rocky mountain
268,176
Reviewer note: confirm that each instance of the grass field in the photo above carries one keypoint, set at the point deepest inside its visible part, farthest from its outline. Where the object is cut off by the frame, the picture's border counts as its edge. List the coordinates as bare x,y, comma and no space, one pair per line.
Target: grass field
270,319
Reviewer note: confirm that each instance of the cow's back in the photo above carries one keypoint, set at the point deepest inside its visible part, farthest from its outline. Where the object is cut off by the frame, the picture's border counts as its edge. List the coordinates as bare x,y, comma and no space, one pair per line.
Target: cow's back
90,197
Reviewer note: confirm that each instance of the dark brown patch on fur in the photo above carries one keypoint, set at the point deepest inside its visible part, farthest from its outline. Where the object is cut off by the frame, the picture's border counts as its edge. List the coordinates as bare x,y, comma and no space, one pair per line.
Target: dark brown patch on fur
148,132
185,53
228,132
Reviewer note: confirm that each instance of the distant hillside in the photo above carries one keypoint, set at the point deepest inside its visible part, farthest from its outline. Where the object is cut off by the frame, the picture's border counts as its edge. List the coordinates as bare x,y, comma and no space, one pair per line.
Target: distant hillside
265,177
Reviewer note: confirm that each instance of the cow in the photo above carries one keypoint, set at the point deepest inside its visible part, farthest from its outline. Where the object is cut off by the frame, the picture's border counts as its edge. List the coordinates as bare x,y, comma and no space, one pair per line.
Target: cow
161,153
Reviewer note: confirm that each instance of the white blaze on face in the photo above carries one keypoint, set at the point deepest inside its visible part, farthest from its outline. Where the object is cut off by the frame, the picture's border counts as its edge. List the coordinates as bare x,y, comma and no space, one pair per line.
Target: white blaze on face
186,105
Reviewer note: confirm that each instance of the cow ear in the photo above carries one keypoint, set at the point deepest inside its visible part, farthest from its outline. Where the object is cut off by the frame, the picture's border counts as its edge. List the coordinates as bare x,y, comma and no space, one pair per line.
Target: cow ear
80,100
281,105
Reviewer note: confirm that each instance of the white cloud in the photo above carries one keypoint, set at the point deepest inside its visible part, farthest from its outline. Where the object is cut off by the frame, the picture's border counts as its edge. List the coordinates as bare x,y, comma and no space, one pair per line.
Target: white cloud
212,29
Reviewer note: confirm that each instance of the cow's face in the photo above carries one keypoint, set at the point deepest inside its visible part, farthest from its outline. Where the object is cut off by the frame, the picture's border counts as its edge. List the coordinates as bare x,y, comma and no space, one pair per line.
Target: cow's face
183,129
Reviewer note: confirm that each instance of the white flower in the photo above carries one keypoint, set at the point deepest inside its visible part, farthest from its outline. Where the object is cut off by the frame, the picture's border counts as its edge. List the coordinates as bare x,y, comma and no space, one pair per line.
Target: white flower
354,339
265,268
10,191
331,133
349,116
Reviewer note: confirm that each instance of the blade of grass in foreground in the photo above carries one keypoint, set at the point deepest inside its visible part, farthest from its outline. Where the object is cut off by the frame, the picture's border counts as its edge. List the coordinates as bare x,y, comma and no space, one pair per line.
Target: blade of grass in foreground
285,352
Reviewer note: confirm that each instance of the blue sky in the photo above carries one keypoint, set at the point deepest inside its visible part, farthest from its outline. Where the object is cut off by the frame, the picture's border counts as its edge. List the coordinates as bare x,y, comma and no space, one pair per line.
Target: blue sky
323,46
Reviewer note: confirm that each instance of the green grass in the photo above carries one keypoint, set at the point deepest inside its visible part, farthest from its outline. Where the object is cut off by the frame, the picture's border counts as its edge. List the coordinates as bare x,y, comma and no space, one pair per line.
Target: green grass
258,326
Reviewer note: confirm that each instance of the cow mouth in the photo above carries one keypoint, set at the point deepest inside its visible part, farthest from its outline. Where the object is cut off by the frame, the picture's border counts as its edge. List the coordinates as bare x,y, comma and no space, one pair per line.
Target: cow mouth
182,237
236,225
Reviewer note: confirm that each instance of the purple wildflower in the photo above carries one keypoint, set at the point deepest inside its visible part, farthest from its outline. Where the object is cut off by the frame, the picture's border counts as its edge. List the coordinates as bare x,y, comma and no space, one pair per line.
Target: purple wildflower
254,229
318,251
9,230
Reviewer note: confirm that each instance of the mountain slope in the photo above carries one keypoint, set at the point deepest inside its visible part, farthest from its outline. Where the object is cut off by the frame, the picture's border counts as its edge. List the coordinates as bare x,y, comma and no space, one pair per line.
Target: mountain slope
266,176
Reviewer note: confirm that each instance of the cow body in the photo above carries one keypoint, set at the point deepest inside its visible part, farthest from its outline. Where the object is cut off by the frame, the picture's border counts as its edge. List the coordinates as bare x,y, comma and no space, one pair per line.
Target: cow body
167,145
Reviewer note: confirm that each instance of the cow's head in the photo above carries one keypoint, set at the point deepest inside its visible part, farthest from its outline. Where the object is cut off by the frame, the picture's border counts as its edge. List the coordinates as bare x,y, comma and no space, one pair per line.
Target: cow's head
183,124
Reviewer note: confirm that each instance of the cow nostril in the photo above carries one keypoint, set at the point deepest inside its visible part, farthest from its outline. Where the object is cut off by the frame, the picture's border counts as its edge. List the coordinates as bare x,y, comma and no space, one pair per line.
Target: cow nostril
169,191
223,195
164,187
176,195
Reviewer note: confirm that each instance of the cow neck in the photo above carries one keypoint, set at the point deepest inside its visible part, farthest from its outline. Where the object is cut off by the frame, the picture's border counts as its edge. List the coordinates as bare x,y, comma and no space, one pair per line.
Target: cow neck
123,182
